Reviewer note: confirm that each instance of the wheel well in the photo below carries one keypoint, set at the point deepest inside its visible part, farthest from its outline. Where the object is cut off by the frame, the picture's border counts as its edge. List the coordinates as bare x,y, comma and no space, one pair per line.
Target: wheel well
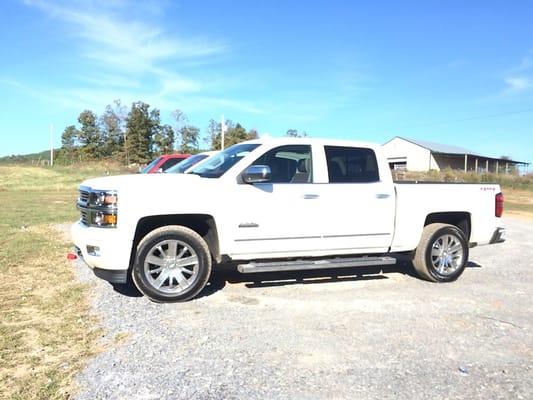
459,219
202,224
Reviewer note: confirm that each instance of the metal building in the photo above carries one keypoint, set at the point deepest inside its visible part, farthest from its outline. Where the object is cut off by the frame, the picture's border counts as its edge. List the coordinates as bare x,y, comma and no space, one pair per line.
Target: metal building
420,155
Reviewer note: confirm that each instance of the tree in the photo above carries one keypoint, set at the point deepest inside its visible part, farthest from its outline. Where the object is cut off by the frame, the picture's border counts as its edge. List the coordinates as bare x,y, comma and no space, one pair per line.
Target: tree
235,134
214,130
253,134
140,128
89,135
295,133
189,136
164,140
112,127
69,139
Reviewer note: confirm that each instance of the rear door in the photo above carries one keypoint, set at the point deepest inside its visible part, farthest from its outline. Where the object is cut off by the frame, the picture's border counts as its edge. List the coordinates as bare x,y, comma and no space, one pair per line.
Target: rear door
357,207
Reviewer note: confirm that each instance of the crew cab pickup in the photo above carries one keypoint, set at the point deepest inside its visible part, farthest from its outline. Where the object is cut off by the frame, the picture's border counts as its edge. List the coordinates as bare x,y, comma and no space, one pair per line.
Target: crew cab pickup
278,204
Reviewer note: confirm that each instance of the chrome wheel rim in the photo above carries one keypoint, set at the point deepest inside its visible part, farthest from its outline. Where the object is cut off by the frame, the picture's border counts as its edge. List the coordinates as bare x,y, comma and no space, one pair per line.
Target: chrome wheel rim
447,254
171,266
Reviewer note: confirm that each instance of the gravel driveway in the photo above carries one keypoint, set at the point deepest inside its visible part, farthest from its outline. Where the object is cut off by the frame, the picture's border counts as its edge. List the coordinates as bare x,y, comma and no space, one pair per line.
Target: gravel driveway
361,334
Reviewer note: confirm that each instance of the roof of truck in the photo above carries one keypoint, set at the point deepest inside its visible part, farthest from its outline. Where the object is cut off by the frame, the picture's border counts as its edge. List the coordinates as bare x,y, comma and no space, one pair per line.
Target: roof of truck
308,140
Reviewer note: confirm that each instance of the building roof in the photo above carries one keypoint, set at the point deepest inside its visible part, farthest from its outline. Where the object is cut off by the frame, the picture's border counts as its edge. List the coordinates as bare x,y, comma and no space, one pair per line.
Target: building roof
448,149
441,148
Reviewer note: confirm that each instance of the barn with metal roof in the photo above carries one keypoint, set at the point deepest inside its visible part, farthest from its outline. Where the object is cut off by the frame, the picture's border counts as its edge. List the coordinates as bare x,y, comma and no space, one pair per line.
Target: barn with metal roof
420,155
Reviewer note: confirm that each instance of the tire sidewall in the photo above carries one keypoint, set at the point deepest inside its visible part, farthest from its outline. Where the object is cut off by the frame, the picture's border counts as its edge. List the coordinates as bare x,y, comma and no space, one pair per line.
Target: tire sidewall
458,234
141,281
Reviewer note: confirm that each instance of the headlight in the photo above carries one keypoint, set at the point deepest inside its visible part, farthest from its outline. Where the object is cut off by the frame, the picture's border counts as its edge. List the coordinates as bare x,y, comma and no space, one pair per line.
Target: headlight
103,198
98,207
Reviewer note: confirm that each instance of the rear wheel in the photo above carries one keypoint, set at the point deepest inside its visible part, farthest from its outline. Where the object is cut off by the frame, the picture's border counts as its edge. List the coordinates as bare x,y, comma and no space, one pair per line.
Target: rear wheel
173,264
442,253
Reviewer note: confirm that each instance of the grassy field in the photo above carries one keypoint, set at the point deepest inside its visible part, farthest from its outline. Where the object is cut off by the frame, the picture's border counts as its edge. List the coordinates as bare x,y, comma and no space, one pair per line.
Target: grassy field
46,330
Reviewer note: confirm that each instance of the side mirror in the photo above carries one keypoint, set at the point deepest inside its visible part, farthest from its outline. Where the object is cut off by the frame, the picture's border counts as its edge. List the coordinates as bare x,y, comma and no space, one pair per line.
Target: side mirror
256,174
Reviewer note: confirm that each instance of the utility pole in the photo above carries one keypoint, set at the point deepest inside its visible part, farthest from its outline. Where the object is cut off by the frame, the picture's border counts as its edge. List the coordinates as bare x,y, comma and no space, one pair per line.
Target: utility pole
223,131
51,145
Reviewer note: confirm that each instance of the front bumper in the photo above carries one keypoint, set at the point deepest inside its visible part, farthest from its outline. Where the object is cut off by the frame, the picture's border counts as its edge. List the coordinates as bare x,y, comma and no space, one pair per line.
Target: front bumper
111,261
110,275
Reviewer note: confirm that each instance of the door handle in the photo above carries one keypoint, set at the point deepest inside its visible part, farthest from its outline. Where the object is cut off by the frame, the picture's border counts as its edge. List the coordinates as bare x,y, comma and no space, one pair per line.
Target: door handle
382,195
311,196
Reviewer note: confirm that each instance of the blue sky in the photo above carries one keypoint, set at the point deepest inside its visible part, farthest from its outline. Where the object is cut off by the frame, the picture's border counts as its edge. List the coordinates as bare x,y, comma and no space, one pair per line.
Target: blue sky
453,72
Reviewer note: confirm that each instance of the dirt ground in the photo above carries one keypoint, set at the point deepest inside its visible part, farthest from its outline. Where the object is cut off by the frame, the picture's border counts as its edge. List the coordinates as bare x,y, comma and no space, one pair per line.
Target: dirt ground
352,333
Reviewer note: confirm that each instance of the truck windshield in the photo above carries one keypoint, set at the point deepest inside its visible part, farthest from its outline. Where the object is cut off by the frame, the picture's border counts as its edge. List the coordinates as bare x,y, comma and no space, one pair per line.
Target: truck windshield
185,165
146,169
218,164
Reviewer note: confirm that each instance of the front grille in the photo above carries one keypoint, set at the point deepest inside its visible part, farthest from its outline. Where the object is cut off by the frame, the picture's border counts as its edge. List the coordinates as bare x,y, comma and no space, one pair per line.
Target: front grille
84,196
85,216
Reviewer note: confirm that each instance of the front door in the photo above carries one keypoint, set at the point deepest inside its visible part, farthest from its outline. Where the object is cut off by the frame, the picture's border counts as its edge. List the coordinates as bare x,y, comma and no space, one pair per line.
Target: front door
276,218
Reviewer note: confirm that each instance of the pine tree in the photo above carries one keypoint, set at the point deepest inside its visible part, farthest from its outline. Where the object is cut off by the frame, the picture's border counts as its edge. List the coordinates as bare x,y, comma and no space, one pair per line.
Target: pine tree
189,136
89,135
139,131
164,140
69,139
112,129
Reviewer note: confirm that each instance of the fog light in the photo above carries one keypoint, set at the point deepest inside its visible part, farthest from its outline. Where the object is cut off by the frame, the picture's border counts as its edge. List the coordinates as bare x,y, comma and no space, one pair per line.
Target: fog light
110,219
93,251
104,219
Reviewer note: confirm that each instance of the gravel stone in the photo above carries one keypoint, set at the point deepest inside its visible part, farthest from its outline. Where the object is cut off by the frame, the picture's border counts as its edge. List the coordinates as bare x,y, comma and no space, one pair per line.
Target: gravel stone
352,333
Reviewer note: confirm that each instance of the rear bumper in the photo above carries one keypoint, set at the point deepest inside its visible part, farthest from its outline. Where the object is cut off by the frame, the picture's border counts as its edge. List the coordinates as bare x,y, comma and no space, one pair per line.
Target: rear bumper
498,236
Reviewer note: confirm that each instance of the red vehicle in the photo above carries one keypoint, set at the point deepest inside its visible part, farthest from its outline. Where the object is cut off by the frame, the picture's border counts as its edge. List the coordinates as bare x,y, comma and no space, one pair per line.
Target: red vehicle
164,162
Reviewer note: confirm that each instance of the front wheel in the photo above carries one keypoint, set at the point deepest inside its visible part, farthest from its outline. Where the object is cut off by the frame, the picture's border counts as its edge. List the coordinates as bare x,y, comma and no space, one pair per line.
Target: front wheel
442,253
173,264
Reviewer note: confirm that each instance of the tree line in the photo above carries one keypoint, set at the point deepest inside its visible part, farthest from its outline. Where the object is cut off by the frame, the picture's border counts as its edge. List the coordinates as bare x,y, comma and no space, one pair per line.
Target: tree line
137,135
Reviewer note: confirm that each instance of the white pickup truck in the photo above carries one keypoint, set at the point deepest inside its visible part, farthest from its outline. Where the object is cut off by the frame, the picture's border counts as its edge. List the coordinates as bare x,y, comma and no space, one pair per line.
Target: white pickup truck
277,205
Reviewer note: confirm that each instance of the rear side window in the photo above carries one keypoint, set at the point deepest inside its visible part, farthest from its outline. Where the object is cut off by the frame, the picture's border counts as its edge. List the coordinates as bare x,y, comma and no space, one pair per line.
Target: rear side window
351,165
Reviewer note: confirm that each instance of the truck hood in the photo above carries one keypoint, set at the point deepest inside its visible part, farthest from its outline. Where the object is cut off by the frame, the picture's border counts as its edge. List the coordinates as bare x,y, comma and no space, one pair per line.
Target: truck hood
142,182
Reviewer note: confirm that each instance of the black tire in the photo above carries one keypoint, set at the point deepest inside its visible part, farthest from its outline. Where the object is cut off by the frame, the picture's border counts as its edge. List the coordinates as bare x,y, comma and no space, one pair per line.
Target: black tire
433,249
176,282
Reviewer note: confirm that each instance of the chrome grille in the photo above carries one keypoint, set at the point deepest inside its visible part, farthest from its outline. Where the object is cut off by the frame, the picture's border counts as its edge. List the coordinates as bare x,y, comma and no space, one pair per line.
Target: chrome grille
85,216
84,196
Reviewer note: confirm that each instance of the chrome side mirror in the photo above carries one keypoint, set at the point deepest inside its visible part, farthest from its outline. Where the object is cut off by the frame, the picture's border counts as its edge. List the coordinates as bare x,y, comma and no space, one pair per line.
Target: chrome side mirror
257,174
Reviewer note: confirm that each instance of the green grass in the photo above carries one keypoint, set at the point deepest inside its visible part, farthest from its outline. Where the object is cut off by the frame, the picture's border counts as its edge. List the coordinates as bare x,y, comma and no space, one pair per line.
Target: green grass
46,330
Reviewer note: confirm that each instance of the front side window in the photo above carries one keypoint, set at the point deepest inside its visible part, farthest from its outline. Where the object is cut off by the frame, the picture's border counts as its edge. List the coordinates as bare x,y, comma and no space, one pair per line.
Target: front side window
218,164
288,164
351,165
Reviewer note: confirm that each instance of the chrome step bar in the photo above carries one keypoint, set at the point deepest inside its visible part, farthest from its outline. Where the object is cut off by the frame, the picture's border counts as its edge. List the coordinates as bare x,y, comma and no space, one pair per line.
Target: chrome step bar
301,265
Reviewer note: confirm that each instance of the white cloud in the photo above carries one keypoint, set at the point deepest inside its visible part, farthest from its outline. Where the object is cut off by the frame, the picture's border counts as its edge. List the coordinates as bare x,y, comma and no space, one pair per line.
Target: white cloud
518,84
130,56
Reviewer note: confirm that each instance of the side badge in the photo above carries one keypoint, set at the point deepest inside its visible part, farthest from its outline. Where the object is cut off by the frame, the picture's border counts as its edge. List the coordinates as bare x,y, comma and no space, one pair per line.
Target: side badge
248,225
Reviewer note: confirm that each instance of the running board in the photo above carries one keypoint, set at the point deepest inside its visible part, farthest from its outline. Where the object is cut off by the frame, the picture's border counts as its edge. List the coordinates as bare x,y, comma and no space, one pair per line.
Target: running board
301,265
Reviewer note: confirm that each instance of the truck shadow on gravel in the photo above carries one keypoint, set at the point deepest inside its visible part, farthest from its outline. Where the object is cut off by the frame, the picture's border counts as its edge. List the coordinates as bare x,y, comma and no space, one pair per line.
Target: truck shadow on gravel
227,273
